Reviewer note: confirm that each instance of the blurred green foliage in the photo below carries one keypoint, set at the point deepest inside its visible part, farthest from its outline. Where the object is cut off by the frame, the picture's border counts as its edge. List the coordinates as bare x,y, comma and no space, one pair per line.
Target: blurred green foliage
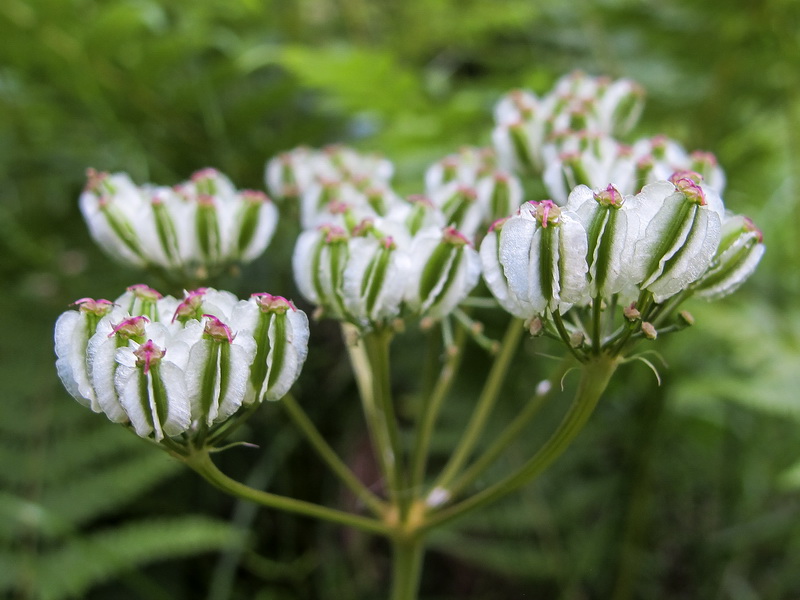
689,490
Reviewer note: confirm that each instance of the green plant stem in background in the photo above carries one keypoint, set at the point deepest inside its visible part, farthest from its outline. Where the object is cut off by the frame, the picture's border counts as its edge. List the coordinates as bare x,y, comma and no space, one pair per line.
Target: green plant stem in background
201,462
301,420
432,406
595,375
484,406
513,430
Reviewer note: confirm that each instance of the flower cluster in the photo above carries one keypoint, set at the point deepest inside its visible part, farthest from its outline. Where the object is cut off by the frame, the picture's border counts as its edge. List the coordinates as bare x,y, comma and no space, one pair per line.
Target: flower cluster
568,137
169,367
671,240
368,255
193,230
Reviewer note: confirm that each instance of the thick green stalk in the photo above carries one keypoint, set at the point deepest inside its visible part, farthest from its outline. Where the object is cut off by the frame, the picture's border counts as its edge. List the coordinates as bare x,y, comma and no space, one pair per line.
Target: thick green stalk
432,407
596,373
512,431
327,454
202,463
407,557
486,402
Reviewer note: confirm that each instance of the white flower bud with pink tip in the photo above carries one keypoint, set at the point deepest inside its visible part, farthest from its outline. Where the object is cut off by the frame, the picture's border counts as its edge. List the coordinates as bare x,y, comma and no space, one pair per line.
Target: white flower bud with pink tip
679,235
543,254
612,226
444,269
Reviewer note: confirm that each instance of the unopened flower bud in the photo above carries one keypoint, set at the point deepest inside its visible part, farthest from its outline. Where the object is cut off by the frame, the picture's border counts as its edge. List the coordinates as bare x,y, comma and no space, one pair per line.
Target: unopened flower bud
631,312
649,331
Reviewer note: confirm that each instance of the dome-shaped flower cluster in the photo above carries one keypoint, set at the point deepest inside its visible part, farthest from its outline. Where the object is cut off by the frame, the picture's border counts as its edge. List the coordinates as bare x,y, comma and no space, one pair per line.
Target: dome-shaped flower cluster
191,231
569,138
368,255
603,248
169,367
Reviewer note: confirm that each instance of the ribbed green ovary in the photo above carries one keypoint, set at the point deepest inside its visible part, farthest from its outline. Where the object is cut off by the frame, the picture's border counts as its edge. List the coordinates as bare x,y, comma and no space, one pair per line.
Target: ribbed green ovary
279,340
446,256
374,277
545,257
215,377
208,236
669,239
167,234
122,228
249,222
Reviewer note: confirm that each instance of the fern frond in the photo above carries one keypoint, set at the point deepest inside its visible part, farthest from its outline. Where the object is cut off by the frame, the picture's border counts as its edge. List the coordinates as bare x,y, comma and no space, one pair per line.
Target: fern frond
86,561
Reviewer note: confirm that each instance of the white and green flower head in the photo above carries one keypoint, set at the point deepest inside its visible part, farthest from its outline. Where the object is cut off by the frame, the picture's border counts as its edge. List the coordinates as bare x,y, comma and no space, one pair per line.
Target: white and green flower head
174,369
543,253
357,275
191,231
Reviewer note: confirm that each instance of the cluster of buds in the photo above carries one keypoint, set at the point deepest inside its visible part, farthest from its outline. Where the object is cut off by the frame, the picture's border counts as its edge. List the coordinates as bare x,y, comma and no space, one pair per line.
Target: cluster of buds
330,182
569,138
191,231
577,105
471,191
175,370
646,252
378,270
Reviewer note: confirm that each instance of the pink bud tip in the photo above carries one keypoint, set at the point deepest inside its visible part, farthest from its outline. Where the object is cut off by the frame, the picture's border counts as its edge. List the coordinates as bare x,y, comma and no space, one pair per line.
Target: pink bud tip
546,212
453,236
609,197
133,327
190,305
690,189
420,199
254,196
203,174
144,292
273,304
497,225
749,225
217,330
96,307
148,354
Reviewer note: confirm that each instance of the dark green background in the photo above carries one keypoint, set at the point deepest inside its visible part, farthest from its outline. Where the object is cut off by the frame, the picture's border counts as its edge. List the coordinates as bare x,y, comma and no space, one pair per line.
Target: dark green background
689,490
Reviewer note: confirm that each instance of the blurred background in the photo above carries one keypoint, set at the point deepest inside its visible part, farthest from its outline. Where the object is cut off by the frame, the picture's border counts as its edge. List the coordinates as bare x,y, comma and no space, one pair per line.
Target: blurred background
687,490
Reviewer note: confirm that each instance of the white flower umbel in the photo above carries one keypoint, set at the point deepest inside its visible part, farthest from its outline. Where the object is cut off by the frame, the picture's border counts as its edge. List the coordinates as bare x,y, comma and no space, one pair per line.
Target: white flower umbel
178,368
543,254
191,231
680,232
740,250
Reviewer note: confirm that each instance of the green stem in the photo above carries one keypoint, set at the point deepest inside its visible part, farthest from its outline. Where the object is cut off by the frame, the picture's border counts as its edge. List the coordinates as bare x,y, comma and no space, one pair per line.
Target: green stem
376,344
327,454
433,406
483,408
362,371
596,373
406,567
512,431
202,463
